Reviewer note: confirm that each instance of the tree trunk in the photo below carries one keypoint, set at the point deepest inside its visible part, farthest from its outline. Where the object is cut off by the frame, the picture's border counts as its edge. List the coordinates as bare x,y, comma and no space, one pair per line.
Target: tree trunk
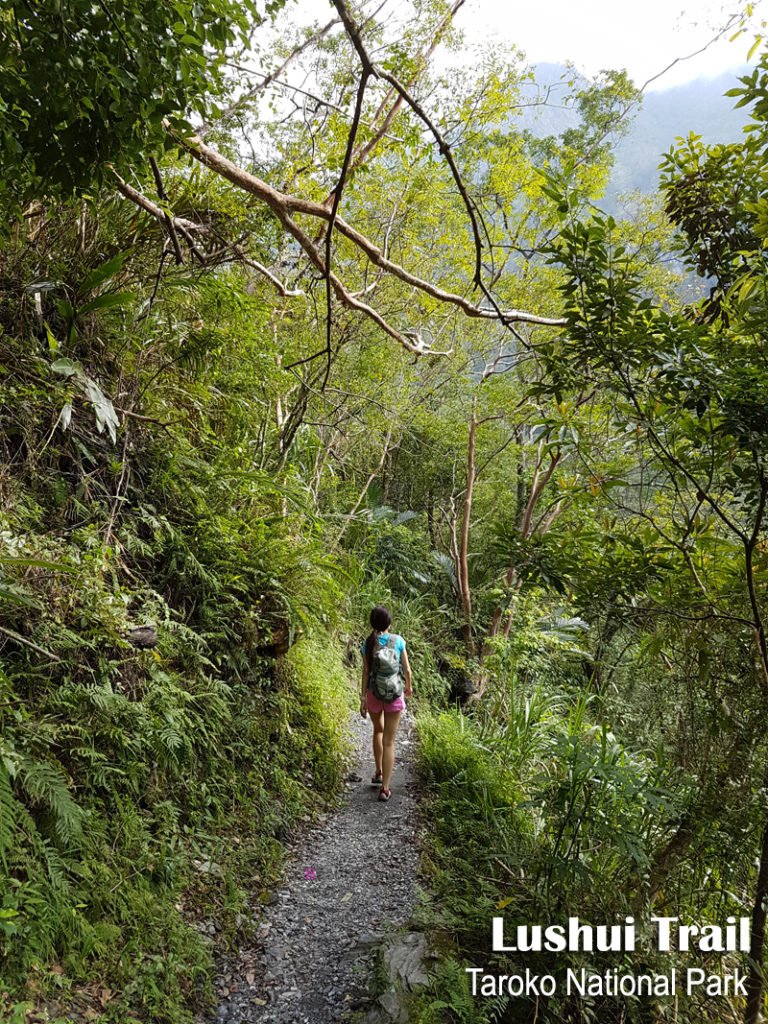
755,980
527,527
431,519
463,566
692,820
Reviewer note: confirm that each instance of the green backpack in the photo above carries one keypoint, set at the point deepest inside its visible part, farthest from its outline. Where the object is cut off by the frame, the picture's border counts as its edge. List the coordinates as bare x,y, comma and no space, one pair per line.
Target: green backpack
384,679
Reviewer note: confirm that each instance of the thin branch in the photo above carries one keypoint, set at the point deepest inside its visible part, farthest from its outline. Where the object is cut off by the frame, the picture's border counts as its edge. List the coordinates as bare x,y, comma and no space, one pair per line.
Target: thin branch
475,217
348,519
165,424
365,151
268,79
28,643
310,96
185,227
282,289
332,219
168,220
375,283
280,205
732,20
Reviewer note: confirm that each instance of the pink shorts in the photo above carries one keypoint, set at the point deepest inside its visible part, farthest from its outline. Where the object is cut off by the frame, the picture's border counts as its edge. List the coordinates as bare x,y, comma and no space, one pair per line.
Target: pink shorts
375,705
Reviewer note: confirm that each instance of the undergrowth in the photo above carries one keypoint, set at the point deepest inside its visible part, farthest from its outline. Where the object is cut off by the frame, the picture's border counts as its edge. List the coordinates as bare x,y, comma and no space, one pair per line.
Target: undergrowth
145,794
537,812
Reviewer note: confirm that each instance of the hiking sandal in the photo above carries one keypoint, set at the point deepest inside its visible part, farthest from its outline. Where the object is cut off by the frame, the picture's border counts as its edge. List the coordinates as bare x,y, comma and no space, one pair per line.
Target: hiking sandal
377,779
384,794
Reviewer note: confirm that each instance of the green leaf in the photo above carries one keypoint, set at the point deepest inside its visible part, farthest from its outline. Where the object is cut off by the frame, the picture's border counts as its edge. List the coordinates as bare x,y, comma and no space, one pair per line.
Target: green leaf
102,273
106,417
37,562
66,367
106,302
53,345
8,810
17,596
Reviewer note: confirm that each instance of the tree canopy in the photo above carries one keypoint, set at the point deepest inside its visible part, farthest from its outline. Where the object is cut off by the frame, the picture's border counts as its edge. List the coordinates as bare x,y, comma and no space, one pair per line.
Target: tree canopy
84,84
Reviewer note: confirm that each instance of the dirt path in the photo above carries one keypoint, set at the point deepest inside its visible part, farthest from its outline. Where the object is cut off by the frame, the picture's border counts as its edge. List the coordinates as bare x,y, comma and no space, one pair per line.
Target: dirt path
313,960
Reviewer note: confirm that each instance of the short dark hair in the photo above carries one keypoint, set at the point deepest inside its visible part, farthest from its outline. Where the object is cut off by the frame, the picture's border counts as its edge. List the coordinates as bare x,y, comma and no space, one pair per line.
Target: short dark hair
381,618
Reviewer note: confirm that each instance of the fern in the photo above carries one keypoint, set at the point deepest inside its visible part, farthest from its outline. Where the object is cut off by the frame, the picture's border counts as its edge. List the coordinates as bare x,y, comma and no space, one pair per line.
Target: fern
46,784
172,740
7,813
106,700
54,863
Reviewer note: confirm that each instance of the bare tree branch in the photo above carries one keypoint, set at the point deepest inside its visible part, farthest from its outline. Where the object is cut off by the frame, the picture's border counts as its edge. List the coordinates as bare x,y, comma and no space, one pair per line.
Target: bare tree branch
28,643
332,218
268,79
168,220
185,227
282,289
351,515
283,205
474,214
365,151
309,95
188,227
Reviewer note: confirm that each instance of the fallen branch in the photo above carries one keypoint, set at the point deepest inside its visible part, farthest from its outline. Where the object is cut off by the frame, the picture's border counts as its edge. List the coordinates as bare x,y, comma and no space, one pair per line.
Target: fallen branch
28,643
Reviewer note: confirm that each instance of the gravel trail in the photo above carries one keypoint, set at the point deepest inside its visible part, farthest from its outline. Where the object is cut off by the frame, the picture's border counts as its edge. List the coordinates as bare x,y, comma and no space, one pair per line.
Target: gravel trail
349,880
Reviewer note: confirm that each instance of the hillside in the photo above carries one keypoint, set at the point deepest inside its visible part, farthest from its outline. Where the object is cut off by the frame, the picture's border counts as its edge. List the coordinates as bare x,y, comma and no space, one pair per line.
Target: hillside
699,106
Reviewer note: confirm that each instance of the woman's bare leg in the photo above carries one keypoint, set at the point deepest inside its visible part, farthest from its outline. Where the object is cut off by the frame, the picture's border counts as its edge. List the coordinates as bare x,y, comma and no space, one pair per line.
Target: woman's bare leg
378,732
391,721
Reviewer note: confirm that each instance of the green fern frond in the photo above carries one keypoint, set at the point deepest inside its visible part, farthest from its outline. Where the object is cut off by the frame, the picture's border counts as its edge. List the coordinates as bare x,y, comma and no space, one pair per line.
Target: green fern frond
54,864
171,739
8,816
45,783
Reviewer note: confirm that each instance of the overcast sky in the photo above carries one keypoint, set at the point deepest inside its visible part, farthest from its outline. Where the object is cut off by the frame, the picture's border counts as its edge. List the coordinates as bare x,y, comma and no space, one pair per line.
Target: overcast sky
643,36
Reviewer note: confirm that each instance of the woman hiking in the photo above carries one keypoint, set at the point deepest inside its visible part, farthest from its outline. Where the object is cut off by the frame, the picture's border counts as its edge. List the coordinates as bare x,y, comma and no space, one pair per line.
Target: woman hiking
385,667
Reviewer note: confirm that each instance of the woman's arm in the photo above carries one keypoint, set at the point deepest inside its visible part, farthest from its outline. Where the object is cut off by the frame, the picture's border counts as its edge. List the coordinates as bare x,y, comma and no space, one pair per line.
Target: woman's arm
363,702
406,672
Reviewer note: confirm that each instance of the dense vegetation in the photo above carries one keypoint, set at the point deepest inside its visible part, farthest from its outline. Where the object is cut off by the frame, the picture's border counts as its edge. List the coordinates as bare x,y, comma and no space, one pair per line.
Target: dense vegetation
367,338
